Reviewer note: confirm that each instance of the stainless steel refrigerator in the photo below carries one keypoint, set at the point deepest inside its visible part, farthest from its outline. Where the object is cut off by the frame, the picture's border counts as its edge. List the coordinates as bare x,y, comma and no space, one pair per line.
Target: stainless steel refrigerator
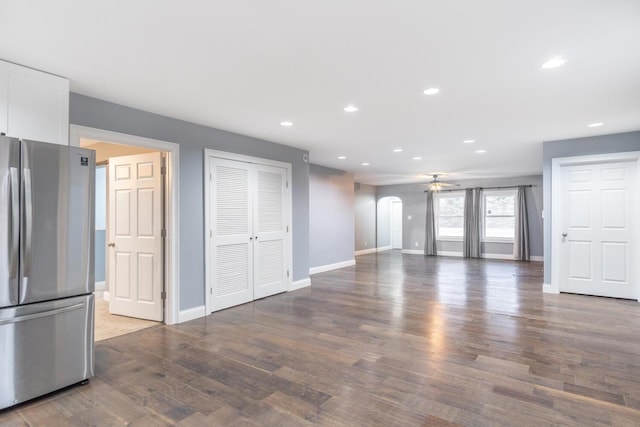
46,268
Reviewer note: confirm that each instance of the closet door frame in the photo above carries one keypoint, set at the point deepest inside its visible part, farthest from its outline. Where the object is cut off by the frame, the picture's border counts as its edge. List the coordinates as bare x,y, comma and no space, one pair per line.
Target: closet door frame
208,154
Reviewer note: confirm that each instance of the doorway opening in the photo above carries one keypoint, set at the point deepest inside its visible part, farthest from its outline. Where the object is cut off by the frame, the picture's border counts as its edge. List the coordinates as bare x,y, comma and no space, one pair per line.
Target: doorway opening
136,233
389,223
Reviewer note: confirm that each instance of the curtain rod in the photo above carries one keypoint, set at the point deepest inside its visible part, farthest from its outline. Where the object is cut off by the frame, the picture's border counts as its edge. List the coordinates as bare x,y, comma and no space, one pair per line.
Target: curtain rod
482,188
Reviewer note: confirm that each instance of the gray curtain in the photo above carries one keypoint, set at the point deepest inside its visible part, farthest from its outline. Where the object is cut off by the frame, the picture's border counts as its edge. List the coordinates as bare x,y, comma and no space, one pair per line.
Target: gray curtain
471,244
521,242
430,235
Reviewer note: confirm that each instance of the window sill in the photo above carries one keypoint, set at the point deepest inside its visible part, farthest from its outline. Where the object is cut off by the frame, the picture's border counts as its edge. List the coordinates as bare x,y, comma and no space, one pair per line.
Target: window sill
497,241
449,239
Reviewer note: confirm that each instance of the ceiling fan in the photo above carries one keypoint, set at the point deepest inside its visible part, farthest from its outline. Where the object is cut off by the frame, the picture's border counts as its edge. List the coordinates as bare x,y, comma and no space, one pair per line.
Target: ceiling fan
436,185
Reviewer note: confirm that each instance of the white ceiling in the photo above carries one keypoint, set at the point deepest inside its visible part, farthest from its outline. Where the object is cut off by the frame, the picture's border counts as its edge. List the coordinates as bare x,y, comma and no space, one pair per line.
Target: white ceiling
247,65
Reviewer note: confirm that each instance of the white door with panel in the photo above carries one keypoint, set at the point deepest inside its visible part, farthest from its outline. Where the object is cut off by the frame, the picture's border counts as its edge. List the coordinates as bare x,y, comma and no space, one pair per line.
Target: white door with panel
231,236
248,241
396,224
135,236
599,229
270,227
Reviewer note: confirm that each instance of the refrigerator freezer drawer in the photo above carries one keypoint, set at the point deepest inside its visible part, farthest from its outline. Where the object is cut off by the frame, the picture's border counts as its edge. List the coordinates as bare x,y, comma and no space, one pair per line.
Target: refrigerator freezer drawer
45,347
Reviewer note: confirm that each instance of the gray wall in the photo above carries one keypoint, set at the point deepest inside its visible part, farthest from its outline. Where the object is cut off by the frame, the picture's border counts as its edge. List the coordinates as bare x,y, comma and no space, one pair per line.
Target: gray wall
193,139
331,216
615,143
365,216
100,256
414,205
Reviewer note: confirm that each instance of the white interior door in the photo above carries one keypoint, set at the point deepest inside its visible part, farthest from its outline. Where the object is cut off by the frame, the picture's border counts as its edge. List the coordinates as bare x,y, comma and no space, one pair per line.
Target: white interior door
231,239
135,242
396,224
248,249
599,209
270,242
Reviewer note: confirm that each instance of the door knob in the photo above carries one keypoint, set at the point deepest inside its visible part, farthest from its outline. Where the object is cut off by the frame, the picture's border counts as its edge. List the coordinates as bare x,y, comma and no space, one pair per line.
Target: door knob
564,234
111,244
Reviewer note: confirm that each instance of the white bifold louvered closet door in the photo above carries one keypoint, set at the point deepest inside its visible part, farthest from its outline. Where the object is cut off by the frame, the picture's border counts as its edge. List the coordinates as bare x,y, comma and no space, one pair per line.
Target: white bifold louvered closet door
248,239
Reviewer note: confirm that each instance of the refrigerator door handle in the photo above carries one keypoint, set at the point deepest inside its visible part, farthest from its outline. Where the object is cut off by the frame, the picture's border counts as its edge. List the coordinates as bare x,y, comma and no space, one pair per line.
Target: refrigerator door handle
15,223
41,314
28,217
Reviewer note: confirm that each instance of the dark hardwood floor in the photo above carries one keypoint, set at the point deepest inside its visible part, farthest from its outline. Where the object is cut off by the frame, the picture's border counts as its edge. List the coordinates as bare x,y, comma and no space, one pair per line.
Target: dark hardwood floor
398,340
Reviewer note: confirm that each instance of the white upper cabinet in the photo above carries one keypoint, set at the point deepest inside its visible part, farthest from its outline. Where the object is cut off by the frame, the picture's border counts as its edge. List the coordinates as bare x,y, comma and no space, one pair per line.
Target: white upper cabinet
33,105
4,87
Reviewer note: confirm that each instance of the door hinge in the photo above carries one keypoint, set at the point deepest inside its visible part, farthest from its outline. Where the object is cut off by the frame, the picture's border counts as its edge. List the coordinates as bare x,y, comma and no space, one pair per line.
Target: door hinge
163,233
210,233
210,291
287,228
287,184
210,177
163,170
163,295
287,273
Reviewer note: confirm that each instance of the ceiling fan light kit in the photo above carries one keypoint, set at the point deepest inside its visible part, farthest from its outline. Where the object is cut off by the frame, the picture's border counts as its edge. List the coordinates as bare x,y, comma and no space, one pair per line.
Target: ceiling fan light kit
436,185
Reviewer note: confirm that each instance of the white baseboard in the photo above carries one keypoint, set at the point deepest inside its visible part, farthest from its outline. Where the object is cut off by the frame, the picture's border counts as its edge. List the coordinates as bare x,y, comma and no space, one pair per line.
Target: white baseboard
299,284
365,251
192,313
372,250
450,253
413,251
548,289
100,286
511,257
484,255
106,296
334,266
508,257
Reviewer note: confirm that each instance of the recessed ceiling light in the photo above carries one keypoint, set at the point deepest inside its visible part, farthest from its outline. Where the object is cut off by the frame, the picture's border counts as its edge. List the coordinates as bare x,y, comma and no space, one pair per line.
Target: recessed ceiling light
555,62
481,151
595,125
431,91
469,141
342,157
397,150
366,164
286,123
350,108
417,158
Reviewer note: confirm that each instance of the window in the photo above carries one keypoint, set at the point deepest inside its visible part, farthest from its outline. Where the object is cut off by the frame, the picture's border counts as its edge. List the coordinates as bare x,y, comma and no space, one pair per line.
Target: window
449,215
499,221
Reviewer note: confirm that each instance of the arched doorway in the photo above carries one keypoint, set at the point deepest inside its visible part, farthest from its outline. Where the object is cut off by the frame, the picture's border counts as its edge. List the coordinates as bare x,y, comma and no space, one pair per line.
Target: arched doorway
389,223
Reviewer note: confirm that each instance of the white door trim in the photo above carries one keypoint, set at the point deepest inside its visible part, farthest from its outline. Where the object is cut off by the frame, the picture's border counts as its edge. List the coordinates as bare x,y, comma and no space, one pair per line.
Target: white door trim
208,153
392,219
172,248
556,186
